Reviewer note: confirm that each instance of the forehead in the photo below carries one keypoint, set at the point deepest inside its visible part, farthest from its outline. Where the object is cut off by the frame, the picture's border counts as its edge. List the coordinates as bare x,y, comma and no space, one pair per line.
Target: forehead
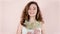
33,5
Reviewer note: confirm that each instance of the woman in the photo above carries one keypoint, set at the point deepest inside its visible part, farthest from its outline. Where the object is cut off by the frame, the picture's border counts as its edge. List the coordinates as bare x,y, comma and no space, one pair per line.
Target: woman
32,21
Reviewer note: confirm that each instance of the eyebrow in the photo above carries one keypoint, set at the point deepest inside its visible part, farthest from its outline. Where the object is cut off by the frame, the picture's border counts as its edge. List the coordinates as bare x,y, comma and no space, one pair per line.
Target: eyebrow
34,7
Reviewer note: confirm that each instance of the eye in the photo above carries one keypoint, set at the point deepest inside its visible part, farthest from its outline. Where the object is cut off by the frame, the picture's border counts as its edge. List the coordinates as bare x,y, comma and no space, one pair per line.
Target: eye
34,8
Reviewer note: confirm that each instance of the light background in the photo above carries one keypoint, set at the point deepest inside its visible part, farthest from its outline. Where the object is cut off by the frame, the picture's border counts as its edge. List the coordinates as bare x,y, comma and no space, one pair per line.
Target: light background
10,13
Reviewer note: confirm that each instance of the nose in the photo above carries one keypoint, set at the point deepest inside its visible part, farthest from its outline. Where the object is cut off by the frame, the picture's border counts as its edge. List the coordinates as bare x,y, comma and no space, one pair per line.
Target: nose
32,10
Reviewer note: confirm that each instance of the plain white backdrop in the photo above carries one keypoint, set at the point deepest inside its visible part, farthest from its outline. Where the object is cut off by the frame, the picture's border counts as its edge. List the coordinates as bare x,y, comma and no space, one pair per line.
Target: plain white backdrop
10,13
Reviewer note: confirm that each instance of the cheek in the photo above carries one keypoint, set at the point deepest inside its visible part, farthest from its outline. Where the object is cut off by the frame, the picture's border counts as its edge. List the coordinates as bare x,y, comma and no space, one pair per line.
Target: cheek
35,11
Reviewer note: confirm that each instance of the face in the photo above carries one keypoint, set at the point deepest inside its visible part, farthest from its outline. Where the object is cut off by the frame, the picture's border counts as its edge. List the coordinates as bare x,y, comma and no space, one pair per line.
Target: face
32,10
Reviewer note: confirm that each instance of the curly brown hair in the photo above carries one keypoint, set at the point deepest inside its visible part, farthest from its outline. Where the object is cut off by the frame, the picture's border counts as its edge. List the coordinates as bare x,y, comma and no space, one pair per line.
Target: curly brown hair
25,15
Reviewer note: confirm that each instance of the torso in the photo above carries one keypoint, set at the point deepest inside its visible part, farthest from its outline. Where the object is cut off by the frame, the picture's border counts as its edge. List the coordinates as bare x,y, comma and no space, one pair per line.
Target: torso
30,27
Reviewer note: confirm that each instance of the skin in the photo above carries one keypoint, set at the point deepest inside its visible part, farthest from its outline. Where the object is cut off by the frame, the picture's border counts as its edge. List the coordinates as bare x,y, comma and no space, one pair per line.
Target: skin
32,12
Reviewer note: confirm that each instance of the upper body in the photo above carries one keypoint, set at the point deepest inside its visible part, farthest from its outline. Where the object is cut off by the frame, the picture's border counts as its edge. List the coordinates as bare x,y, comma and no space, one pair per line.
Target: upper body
33,27
23,30
31,20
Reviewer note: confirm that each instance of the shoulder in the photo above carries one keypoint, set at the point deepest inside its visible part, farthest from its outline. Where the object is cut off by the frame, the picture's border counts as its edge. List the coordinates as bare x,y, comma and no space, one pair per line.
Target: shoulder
20,26
42,24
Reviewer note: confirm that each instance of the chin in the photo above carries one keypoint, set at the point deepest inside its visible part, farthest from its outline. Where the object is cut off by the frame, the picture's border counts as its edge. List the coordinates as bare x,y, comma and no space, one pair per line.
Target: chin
32,15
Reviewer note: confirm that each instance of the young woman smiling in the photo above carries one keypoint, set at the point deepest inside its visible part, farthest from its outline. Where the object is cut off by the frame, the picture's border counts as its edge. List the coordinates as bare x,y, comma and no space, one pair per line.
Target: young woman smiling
32,21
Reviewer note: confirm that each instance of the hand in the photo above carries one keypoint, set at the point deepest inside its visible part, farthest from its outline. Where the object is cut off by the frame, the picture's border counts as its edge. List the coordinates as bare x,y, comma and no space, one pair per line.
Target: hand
36,31
29,33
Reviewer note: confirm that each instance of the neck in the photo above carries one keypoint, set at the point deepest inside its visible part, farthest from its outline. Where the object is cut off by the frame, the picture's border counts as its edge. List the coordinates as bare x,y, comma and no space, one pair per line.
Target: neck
32,19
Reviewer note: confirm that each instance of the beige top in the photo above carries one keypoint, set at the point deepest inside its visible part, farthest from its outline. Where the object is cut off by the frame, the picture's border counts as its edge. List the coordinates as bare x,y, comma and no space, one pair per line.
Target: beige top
31,26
